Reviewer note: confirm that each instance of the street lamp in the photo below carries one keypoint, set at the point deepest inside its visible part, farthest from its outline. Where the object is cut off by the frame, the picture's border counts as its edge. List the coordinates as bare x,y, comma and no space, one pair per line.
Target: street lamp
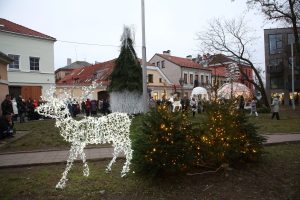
293,86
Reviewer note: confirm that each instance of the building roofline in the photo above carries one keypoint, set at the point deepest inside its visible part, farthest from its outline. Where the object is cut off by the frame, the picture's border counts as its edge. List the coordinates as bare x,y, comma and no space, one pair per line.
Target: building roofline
29,35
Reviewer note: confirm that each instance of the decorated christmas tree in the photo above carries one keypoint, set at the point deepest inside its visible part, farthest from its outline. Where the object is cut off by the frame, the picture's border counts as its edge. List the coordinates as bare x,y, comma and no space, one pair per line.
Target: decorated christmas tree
126,79
164,144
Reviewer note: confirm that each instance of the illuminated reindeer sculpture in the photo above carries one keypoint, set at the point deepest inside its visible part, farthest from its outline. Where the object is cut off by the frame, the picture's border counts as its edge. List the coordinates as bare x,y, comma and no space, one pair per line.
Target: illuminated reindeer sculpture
113,128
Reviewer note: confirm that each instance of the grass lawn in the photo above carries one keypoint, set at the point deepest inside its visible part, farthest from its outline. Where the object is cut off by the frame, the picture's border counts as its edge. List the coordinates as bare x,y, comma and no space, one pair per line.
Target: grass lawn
277,176
289,122
44,135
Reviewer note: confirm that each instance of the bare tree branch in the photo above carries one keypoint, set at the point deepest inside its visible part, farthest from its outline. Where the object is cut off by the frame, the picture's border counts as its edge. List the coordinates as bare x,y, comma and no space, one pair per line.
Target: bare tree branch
232,38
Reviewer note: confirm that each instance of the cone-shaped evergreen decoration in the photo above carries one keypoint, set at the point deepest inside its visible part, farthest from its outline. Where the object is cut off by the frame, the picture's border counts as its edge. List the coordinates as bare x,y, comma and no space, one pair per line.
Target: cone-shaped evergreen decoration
126,87
127,74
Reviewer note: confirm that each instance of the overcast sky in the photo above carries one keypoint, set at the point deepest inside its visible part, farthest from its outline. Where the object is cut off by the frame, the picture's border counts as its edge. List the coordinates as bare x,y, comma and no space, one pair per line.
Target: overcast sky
170,25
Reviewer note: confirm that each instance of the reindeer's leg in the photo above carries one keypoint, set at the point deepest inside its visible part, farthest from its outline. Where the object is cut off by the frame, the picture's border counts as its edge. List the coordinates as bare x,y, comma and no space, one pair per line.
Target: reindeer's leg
128,155
117,150
86,171
73,154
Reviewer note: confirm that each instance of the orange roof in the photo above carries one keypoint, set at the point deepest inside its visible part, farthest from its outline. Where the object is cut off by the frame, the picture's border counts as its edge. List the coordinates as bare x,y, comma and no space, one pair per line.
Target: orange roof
85,75
218,70
183,62
10,27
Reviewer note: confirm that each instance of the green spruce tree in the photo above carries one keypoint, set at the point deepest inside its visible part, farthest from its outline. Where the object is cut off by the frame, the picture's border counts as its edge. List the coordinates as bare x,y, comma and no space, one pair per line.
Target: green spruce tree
127,74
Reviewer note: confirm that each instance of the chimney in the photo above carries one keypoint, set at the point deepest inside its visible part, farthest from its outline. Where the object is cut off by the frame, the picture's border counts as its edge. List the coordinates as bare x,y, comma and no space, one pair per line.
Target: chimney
189,57
168,52
69,61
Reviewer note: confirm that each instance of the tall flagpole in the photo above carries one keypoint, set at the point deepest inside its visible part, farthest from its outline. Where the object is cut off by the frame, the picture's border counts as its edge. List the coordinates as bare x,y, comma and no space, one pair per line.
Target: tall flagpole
144,60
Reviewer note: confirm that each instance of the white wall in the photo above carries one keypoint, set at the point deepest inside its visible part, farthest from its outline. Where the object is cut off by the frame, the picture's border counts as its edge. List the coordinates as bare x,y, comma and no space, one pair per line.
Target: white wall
27,47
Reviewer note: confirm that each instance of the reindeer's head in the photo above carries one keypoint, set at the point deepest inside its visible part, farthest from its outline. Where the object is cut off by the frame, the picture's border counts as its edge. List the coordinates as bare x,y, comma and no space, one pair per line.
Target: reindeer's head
53,106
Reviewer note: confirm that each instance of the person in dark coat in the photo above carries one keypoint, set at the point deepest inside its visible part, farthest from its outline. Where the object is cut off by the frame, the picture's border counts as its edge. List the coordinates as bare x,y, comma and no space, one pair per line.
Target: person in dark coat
6,106
21,109
88,107
242,103
82,107
6,126
106,106
30,109
94,107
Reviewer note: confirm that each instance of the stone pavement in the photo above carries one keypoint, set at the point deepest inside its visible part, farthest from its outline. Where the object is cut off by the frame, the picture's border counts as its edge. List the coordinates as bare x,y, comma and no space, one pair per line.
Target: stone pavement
20,159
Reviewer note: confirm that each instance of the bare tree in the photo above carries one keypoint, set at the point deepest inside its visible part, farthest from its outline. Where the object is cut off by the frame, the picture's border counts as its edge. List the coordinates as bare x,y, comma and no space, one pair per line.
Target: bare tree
233,38
287,11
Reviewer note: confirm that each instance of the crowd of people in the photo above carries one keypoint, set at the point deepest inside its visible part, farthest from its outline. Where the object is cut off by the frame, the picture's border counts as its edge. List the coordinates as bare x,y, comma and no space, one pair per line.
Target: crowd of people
14,109
89,107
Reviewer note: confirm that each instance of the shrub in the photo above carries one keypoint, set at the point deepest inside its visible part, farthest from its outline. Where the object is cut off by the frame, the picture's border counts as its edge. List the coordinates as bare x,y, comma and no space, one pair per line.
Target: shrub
163,145
227,136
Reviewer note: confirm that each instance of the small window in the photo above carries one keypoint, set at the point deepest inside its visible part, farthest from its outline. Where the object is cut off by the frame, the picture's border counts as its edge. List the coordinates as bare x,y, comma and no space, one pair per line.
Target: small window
275,43
150,78
15,63
202,79
158,64
163,64
191,78
160,80
207,80
34,63
185,78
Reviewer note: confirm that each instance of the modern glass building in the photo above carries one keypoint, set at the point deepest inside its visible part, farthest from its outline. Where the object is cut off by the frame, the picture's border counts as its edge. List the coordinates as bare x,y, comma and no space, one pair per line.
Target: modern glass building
278,64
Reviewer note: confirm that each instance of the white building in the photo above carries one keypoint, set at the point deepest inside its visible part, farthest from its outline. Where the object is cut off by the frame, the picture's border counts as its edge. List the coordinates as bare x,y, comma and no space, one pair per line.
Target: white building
32,71
184,73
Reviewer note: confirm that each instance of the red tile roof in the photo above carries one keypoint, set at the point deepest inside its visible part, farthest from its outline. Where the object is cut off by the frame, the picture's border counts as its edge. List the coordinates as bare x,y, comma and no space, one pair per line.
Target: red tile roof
85,75
183,62
11,27
218,70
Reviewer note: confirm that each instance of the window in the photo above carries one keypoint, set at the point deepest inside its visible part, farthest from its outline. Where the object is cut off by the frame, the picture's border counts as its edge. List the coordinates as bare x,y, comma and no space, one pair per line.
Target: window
158,64
291,38
197,77
163,64
191,78
150,78
160,80
185,78
15,63
276,65
202,79
207,80
34,63
275,43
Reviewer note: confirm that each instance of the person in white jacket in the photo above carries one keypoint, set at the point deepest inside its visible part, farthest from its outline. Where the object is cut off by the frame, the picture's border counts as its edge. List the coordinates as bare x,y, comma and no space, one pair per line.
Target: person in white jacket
275,107
15,108
253,107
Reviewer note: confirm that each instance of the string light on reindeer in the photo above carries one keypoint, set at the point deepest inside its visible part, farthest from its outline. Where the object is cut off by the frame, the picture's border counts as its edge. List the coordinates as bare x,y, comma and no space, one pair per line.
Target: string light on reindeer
113,128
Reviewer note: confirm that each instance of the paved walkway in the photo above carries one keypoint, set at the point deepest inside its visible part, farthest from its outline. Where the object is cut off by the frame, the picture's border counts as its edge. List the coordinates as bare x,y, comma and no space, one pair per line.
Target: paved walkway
45,157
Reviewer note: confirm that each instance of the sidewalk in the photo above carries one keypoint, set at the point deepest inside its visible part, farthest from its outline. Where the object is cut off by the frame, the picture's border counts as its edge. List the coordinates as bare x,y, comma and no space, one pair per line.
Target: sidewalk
46,157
